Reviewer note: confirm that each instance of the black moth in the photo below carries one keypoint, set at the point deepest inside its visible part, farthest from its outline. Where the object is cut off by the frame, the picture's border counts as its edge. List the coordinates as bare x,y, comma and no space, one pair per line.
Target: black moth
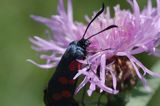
61,86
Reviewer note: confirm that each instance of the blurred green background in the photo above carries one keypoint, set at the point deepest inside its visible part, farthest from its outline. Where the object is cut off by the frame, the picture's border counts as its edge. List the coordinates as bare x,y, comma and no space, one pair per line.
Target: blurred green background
22,83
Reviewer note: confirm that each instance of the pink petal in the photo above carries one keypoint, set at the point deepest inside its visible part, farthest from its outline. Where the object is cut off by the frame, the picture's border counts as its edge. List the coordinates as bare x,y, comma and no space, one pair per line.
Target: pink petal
92,88
158,6
144,68
81,85
45,66
70,12
61,9
102,68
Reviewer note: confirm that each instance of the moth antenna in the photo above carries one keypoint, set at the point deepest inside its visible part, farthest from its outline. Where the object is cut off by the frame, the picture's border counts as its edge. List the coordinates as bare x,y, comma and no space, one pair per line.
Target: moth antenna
100,12
109,27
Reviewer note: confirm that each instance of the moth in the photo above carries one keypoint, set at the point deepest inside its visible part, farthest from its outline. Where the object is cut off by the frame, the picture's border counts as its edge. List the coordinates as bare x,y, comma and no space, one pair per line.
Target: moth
61,87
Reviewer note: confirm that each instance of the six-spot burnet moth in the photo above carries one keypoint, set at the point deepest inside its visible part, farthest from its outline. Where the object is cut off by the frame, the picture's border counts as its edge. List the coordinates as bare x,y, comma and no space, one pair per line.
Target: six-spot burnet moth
61,86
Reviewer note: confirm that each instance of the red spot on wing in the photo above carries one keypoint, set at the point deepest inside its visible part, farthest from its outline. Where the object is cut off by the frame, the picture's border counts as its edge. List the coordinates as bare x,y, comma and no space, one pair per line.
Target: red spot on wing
79,65
57,96
63,80
74,66
72,82
66,93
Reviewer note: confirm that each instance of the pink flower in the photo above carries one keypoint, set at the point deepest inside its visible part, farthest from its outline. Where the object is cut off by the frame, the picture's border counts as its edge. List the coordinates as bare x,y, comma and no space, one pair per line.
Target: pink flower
137,32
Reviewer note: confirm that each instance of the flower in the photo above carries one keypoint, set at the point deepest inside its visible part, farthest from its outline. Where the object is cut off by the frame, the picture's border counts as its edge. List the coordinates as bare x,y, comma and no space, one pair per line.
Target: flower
111,64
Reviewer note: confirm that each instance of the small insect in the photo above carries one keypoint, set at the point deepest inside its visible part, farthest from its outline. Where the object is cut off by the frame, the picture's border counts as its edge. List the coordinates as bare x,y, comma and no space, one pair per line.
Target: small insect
61,86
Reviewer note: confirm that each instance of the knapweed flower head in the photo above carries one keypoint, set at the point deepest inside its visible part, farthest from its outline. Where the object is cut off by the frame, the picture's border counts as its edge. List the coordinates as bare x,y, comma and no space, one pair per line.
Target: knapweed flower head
110,64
